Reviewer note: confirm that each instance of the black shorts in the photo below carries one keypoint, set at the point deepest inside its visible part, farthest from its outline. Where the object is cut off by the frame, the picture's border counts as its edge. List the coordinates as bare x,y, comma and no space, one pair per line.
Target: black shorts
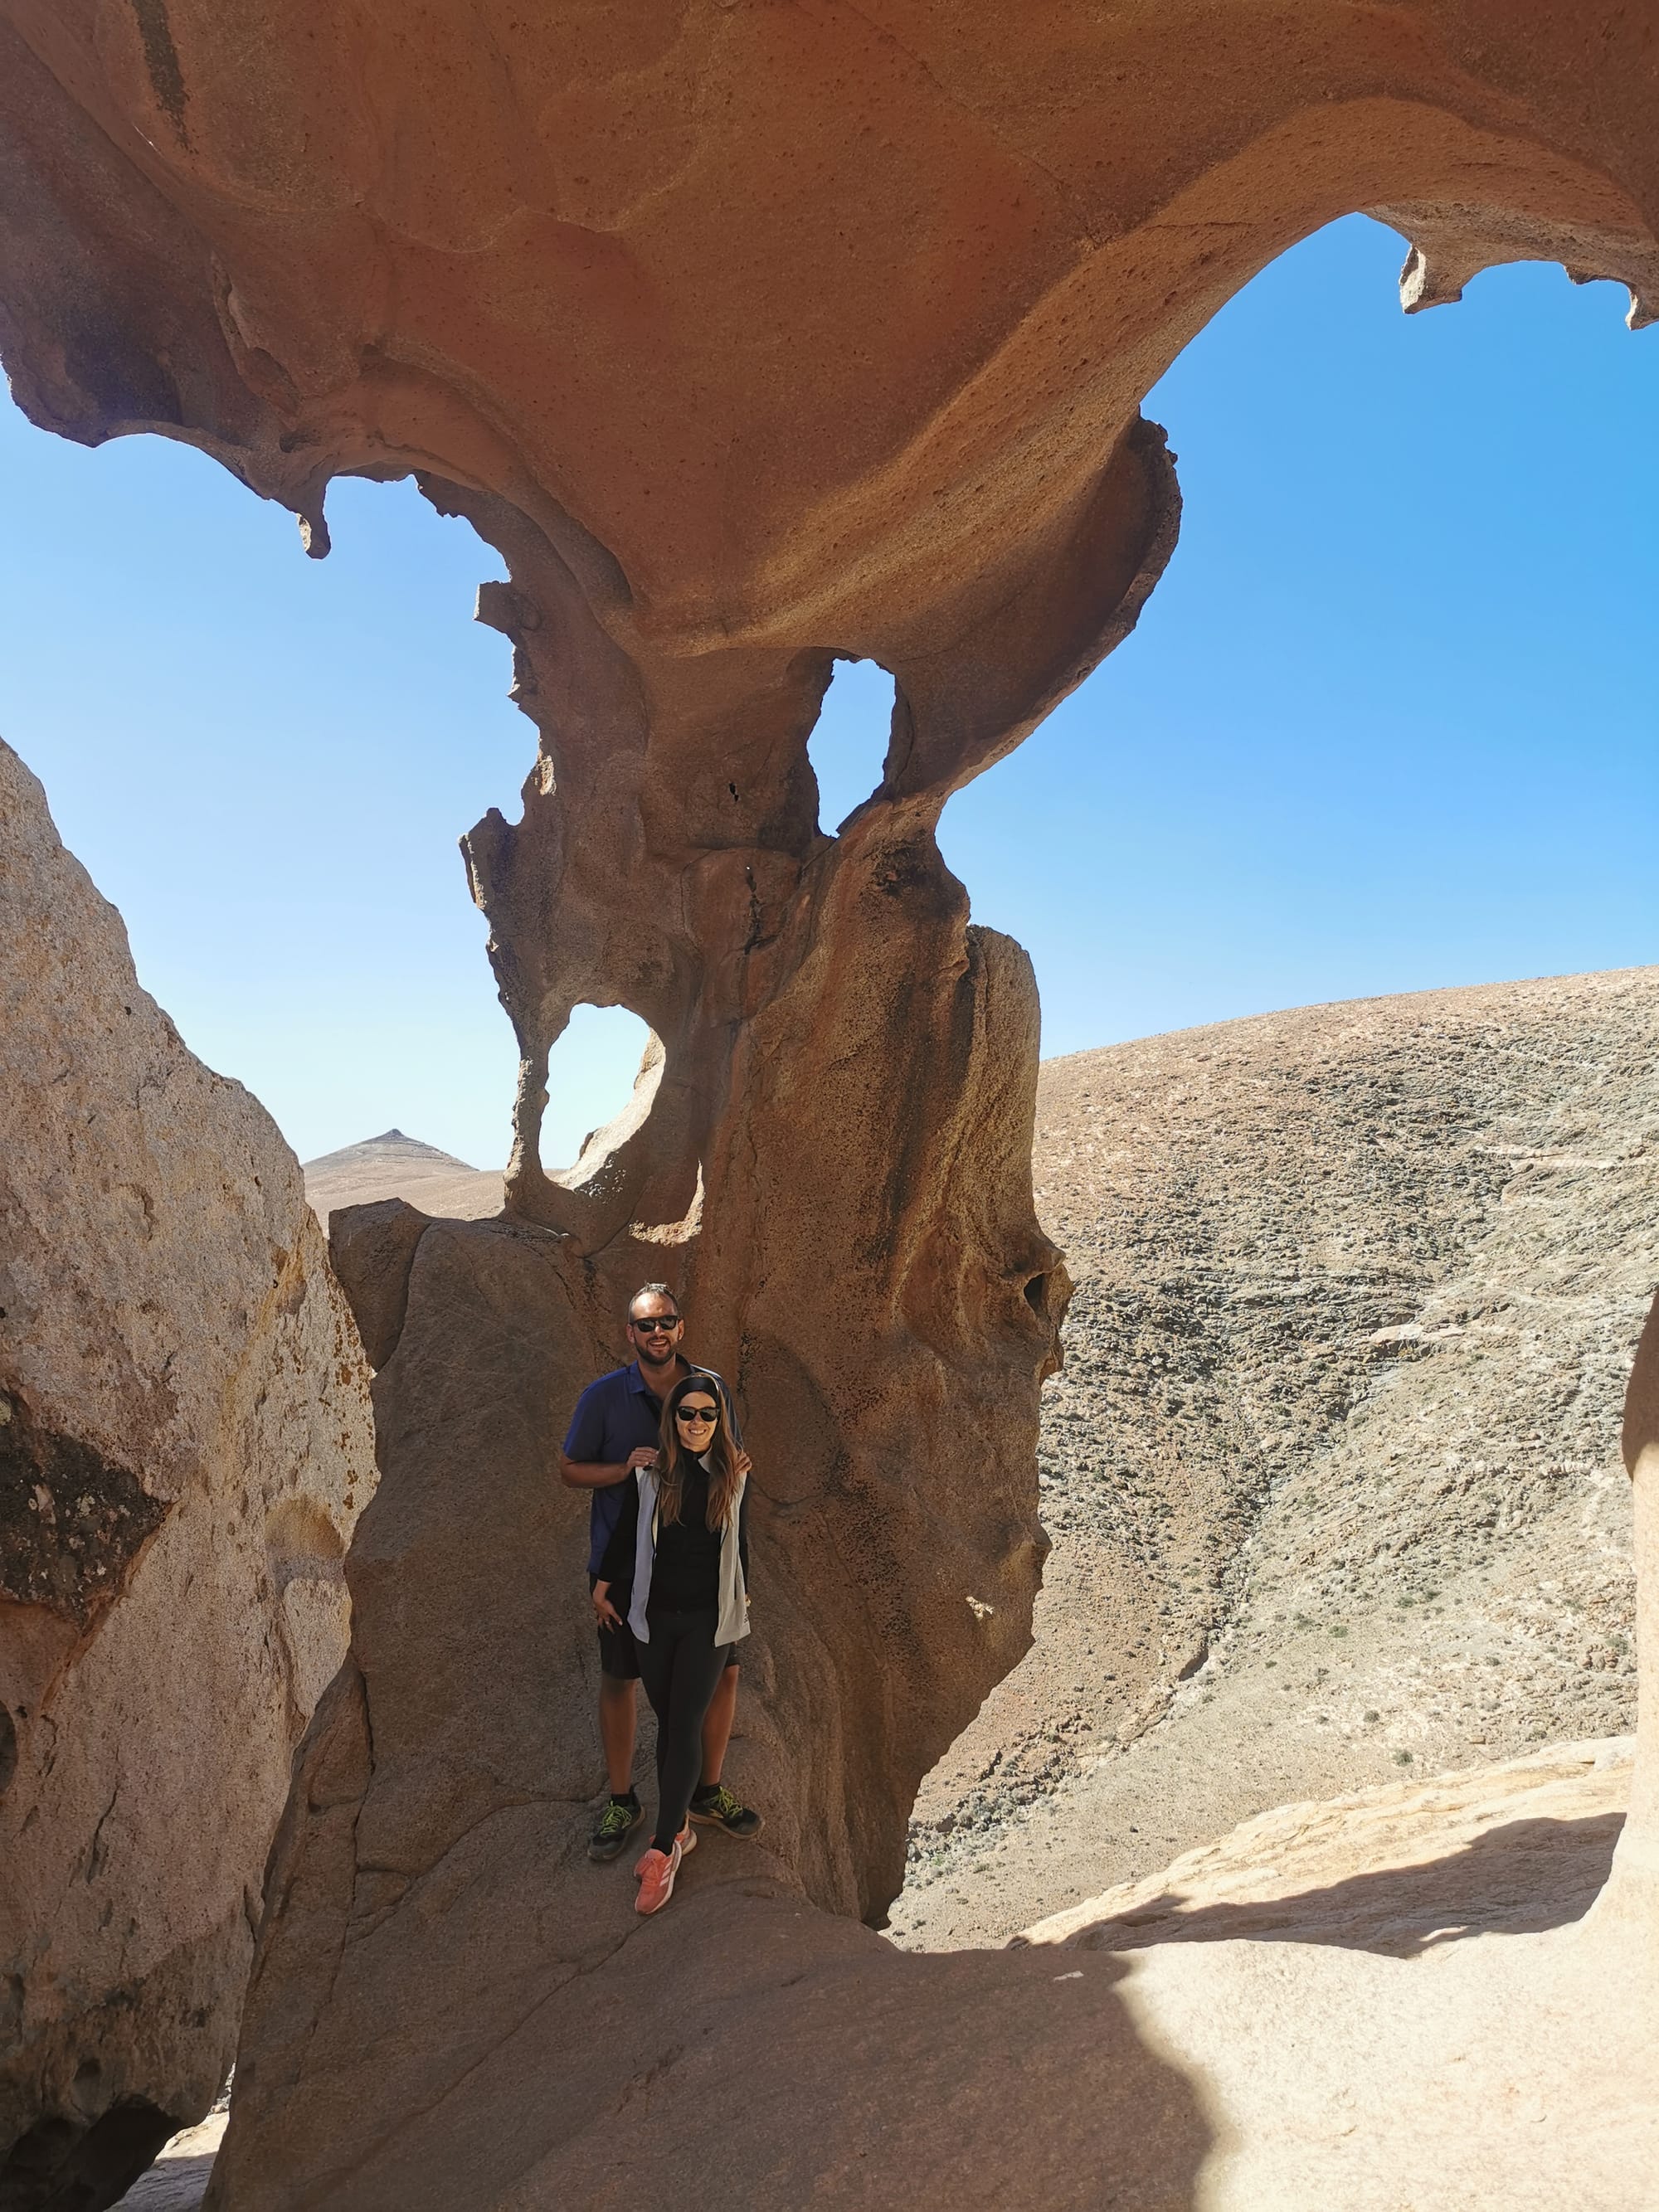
619,1656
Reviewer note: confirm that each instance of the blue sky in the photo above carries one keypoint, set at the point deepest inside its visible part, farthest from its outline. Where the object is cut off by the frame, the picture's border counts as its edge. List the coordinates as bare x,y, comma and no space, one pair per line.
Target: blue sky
1386,723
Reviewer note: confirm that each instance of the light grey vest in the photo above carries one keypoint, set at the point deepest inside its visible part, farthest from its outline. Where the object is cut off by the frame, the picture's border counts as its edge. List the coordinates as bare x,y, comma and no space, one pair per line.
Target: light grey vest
733,1622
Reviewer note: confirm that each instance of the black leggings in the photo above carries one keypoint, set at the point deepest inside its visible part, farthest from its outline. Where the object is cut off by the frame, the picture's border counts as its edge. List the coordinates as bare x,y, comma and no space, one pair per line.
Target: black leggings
680,1667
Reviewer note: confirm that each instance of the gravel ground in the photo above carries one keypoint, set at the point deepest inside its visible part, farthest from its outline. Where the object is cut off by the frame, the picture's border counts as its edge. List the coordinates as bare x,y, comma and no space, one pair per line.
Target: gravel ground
1332,1471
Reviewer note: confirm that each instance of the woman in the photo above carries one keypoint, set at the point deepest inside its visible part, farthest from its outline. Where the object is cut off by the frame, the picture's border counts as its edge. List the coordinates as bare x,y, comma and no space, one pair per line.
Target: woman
677,1562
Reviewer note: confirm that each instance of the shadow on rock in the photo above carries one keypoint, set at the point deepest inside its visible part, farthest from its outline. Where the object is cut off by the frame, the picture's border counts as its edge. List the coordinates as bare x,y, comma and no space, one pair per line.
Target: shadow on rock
173,2184
747,2049
1516,1879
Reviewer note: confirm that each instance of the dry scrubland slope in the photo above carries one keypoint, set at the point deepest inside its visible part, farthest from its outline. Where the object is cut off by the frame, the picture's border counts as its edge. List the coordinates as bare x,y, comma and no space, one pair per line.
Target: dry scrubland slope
393,1165
1332,1471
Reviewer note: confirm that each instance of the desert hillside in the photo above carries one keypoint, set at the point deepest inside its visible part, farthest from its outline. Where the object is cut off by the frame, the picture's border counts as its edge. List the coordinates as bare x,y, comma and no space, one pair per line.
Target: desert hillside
1331,1472
393,1165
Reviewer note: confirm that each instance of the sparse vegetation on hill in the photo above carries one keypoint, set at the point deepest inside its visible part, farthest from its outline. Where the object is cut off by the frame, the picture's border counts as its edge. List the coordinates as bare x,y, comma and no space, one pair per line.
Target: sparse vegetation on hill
1332,1472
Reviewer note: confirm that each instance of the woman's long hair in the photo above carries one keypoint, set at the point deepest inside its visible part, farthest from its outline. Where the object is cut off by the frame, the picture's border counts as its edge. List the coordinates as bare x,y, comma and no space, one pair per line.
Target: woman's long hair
722,1455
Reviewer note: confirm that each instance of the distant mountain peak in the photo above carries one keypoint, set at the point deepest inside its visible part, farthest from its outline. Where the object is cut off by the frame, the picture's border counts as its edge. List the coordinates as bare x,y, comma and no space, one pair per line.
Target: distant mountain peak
391,1145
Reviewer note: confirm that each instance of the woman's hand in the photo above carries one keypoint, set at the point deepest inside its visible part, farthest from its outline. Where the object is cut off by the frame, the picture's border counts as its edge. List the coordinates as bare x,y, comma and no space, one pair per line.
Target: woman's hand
641,1455
745,1463
604,1611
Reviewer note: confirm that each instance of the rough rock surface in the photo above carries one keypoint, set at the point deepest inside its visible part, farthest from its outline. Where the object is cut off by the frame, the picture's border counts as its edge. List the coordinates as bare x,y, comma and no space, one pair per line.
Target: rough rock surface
749,335
393,1165
1344,1990
185,1446
1331,1472
1397,1873
1511,1849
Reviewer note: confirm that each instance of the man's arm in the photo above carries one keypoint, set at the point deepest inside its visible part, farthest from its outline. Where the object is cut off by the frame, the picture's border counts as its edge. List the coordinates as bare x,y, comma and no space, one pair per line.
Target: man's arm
580,1467
601,1474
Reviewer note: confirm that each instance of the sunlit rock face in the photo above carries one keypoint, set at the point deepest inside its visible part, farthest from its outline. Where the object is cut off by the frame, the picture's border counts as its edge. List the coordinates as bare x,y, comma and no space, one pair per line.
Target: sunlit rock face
185,1446
750,335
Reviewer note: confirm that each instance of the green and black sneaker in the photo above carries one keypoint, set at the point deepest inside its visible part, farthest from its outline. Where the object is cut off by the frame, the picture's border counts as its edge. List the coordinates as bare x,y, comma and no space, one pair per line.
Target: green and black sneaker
621,1816
719,1808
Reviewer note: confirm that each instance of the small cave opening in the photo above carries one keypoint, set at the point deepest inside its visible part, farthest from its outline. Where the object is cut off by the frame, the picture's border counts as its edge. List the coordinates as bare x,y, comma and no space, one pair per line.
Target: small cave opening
63,2161
593,1072
848,749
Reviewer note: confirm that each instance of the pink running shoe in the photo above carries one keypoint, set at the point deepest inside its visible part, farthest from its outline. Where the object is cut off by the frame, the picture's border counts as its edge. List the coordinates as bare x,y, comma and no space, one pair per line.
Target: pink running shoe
656,1872
687,1840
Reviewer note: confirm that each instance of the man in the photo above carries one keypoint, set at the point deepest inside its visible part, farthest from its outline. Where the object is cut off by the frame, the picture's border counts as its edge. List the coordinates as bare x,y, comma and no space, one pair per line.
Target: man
614,1432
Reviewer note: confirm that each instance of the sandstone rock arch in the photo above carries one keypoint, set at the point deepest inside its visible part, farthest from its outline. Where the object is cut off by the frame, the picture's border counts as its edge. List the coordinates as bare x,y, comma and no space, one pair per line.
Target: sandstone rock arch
750,335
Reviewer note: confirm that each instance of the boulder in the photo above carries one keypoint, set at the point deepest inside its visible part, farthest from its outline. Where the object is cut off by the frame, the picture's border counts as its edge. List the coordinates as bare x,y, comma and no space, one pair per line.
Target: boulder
185,1449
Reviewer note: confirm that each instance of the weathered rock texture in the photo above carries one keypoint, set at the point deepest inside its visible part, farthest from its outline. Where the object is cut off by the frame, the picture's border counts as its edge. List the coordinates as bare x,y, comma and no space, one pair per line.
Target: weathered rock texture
1331,1472
185,1446
750,335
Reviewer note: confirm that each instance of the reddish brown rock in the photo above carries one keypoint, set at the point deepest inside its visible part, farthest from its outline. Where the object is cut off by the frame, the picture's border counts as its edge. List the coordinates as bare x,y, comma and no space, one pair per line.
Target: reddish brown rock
185,1449
750,335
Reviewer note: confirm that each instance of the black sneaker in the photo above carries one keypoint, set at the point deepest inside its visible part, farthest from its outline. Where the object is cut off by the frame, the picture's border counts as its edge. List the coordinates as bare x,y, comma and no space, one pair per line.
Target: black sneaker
621,1816
719,1808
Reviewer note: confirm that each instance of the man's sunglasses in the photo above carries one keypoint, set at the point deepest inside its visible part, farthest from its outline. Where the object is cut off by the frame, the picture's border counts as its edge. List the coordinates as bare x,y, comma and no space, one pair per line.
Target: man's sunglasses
698,1413
654,1323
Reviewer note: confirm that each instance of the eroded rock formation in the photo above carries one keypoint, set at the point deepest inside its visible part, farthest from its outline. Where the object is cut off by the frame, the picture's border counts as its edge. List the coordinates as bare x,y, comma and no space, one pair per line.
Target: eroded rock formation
750,335
185,1446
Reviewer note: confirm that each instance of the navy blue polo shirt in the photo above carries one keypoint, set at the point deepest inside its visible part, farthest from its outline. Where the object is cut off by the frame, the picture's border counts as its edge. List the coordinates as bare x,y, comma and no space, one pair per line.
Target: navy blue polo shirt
615,1416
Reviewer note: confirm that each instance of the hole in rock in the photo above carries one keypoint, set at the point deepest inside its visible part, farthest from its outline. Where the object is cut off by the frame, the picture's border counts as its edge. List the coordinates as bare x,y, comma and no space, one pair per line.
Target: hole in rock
8,1750
592,1074
848,748
1331,1472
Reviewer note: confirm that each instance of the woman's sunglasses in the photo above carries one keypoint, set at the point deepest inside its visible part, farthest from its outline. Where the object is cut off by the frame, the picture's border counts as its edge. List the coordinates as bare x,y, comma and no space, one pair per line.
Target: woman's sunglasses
698,1413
